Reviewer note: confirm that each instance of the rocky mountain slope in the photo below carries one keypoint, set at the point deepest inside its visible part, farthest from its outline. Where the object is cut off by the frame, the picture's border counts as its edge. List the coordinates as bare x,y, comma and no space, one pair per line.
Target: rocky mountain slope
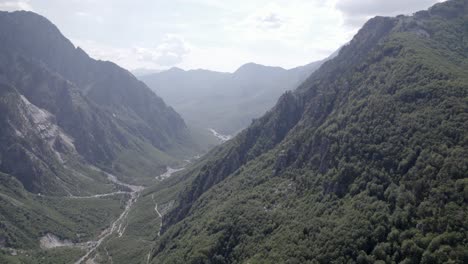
59,105
64,119
366,162
226,102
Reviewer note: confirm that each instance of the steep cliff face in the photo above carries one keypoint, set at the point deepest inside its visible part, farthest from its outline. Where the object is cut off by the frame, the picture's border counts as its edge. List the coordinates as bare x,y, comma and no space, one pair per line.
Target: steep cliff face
263,135
366,161
293,112
61,106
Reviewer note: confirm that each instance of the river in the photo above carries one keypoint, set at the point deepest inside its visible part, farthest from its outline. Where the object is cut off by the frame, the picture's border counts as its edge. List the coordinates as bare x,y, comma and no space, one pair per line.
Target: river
118,226
221,137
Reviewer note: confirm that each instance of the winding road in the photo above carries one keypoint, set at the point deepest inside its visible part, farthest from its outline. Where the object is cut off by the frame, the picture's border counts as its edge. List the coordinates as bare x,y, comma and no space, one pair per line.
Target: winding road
158,213
119,224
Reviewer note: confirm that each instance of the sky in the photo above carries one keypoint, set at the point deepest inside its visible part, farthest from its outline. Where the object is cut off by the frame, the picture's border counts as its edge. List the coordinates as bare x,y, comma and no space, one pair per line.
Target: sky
218,35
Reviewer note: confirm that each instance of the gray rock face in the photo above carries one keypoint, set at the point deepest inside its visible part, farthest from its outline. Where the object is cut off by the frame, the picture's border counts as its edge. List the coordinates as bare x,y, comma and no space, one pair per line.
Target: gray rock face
59,104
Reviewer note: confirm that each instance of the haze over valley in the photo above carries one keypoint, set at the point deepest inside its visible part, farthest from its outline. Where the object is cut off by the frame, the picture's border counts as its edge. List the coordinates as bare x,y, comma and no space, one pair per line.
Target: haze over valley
226,102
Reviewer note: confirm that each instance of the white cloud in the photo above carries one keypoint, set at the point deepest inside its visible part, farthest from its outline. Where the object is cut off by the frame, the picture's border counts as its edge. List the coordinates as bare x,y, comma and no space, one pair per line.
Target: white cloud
290,33
12,5
269,21
89,16
212,34
266,19
170,52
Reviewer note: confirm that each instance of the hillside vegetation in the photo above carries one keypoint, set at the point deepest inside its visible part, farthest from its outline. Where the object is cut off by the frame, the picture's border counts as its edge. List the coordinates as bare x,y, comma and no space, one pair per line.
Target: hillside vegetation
366,162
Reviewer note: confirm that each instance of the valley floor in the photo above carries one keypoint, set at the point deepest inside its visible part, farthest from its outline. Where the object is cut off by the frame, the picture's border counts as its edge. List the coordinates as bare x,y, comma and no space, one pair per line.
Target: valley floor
57,250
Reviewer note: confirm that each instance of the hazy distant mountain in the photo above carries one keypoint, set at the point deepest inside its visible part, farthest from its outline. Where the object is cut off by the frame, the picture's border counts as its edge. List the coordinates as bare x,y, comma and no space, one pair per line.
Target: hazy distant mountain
144,71
226,102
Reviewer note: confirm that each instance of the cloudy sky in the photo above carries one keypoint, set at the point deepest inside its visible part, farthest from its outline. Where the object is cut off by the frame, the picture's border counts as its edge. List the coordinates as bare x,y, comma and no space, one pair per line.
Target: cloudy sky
211,34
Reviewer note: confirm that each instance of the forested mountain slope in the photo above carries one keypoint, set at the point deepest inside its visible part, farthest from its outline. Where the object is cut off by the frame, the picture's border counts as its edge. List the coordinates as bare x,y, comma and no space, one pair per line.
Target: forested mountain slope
365,162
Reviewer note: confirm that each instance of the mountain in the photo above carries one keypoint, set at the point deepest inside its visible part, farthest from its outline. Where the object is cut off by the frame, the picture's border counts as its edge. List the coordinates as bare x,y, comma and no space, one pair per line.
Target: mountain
365,162
64,119
226,102
144,71
58,101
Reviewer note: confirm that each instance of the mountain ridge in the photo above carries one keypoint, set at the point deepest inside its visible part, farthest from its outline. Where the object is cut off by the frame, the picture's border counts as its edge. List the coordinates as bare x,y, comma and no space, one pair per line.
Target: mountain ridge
226,102
102,107
370,169
365,162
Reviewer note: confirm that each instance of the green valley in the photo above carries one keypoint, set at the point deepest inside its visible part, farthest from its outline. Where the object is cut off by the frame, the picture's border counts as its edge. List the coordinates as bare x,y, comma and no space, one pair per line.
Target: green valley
366,161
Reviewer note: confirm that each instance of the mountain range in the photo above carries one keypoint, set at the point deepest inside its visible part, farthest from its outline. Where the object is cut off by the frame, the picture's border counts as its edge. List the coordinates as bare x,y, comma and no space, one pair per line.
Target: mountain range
226,102
365,161
64,119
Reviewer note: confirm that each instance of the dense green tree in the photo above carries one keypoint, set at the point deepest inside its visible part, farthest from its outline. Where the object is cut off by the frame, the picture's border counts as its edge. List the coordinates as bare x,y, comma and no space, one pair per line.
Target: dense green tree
366,162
